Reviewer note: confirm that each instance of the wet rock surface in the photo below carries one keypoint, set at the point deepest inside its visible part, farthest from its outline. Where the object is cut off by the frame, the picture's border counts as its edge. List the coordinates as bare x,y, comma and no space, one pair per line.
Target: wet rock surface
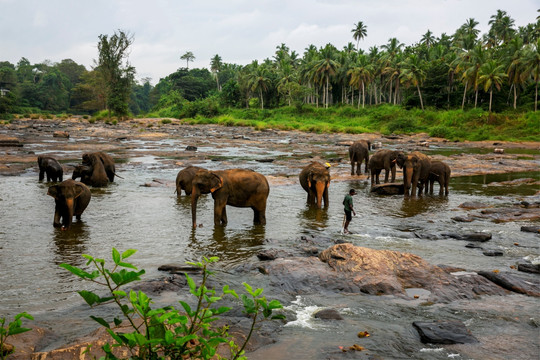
479,237
444,332
514,282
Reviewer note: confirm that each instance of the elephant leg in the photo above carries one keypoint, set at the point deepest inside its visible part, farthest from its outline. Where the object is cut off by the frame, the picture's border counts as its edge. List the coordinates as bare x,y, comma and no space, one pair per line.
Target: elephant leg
352,166
219,212
41,174
224,216
56,221
393,170
358,167
386,174
366,169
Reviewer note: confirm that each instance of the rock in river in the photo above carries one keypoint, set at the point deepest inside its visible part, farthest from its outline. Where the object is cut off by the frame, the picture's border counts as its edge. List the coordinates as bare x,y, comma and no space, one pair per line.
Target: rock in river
389,189
444,332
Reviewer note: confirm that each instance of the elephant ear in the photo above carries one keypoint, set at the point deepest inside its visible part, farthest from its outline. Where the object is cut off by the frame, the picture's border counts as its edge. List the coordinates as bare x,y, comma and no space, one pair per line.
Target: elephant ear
309,176
53,191
78,191
219,184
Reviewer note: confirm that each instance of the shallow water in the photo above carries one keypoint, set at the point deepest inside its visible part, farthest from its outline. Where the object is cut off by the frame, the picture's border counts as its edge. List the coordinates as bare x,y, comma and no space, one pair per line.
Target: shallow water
158,224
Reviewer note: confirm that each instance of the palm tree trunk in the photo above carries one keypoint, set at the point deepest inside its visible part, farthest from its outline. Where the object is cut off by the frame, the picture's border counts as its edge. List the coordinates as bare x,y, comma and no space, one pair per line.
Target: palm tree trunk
475,98
363,95
536,97
515,96
262,100
490,97
420,94
464,93
327,86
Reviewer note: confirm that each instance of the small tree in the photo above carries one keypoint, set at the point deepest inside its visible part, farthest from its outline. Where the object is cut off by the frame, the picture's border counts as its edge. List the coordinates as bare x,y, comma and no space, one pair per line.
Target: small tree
114,68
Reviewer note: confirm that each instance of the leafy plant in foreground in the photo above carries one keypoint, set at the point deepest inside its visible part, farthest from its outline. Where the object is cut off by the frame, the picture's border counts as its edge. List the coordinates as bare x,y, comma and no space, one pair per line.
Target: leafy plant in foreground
13,328
167,332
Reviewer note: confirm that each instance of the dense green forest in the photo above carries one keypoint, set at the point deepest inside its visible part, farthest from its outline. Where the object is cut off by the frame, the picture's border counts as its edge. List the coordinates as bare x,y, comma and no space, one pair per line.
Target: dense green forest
498,71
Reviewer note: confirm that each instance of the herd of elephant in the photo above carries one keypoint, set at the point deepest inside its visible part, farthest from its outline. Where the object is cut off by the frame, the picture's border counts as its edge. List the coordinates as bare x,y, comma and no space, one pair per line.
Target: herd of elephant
418,169
239,187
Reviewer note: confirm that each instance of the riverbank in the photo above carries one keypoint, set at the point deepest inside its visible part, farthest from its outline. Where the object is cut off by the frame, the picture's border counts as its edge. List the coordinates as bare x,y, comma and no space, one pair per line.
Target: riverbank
293,149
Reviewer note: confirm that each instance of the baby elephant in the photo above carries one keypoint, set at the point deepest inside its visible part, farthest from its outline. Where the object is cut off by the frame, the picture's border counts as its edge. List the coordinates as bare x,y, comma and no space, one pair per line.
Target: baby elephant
71,199
51,167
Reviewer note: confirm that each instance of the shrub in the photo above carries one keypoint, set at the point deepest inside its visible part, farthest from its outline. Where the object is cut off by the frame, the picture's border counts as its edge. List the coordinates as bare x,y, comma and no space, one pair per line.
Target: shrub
167,332
13,328
166,121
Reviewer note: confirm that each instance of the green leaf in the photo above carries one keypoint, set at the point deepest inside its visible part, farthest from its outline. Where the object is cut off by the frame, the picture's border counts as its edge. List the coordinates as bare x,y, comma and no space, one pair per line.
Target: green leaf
17,330
78,272
279,317
127,265
115,256
117,321
274,304
258,292
169,337
89,297
24,314
128,253
100,321
248,287
191,283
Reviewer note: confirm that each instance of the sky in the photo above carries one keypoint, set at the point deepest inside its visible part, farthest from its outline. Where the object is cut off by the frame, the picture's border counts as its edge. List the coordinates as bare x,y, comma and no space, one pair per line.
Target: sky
239,31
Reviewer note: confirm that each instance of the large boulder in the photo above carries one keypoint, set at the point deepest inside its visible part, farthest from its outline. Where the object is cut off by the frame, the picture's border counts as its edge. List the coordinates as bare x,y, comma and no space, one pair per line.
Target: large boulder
354,269
389,189
444,332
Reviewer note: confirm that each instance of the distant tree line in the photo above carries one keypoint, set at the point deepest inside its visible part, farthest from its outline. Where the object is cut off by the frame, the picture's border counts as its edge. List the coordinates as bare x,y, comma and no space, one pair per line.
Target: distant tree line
497,70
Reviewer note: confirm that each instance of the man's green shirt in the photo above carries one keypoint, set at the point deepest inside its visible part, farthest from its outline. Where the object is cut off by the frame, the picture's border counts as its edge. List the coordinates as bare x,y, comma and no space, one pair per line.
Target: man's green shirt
348,202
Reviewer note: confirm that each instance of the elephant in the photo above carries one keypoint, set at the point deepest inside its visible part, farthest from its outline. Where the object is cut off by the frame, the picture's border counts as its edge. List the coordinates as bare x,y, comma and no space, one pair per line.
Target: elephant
315,180
439,172
184,179
383,159
51,167
359,152
234,187
97,169
71,198
107,160
416,167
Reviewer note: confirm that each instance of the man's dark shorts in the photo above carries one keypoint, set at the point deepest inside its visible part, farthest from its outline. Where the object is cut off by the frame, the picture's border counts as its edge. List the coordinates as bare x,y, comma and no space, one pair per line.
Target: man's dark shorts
348,215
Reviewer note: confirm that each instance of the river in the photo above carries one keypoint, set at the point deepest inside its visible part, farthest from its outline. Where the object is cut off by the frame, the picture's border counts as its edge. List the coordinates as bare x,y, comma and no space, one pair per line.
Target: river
158,224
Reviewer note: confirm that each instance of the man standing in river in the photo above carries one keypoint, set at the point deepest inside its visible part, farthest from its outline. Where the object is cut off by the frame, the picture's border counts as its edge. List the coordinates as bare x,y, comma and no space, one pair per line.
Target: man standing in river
348,208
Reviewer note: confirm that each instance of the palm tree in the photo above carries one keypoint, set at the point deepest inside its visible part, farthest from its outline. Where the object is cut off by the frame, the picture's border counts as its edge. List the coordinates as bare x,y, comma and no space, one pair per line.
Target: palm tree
287,79
501,27
359,32
326,68
428,39
188,56
491,74
414,73
361,74
215,67
514,58
531,67
258,80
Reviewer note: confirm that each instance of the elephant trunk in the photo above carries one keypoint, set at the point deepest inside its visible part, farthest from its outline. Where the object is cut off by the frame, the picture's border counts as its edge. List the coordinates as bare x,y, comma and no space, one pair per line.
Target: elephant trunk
407,179
68,218
194,198
319,189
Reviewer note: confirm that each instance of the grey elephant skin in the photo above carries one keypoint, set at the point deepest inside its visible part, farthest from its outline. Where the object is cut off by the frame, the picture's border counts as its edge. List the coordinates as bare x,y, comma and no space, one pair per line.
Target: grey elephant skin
439,172
358,153
416,167
184,180
383,160
71,199
315,180
50,166
234,187
97,169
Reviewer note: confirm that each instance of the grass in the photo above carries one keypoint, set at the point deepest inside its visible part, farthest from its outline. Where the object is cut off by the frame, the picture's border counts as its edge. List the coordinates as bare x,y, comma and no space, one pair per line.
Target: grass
460,125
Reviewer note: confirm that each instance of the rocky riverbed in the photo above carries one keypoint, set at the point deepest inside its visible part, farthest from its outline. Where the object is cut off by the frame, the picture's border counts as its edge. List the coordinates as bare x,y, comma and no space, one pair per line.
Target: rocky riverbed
463,259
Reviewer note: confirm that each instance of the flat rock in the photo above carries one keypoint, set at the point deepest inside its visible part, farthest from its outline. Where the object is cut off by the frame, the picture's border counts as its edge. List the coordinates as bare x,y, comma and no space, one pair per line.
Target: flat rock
389,189
513,282
533,229
529,267
444,332
473,205
507,214
9,141
328,314
191,148
179,268
463,219
493,253
478,236
61,134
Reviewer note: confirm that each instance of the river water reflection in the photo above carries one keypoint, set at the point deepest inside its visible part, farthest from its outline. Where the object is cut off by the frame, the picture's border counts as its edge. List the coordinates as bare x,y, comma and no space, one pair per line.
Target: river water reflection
158,224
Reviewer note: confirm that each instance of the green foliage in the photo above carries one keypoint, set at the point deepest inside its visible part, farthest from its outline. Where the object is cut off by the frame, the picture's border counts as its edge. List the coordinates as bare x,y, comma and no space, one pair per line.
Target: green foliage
13,328
168,332
166,121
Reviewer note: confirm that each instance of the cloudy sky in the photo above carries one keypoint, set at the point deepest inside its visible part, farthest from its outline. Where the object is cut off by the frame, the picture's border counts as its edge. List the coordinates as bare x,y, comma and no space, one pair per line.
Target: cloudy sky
238,30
